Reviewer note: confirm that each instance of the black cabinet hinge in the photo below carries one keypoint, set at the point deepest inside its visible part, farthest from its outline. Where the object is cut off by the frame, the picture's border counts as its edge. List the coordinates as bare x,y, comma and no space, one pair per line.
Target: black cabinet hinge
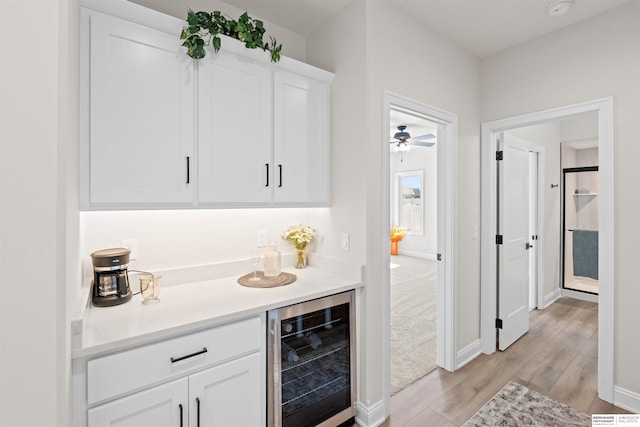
499,155
498,323
499,239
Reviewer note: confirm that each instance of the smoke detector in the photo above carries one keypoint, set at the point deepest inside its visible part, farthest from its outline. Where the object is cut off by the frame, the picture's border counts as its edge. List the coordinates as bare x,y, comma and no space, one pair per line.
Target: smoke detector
559,7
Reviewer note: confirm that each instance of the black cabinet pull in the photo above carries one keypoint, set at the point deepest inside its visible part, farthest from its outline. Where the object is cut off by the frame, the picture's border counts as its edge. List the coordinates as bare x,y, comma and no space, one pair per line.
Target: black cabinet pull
267,166
197,353
280,173
198,411
188,171
181,417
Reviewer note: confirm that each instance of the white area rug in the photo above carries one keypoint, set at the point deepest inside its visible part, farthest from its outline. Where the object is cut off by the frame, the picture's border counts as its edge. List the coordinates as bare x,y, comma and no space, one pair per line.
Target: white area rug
517,405
413,320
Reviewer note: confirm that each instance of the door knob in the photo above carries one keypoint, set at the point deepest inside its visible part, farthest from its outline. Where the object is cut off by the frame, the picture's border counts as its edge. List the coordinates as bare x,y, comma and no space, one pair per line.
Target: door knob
528,246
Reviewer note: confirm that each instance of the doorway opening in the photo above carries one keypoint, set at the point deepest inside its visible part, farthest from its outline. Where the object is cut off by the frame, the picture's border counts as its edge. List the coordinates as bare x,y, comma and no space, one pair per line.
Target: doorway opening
580,218
413,267
446,148
603,111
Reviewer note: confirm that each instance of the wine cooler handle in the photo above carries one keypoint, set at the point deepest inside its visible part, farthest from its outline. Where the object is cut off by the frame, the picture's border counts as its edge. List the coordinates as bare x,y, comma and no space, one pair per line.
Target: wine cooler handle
267,167
181,415
274,396
280,173
198,411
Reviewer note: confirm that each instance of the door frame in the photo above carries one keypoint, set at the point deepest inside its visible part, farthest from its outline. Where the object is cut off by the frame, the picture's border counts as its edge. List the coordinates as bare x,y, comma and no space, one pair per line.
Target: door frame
446,355
604,109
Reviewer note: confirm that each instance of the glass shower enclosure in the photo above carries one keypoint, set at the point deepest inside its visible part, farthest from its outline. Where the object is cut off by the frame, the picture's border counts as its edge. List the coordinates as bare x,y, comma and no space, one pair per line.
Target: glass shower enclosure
580,229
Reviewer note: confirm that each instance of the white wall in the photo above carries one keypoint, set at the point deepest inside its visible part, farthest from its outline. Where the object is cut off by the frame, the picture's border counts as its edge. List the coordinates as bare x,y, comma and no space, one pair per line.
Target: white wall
441,75
38,215
593,59
367,60
181,238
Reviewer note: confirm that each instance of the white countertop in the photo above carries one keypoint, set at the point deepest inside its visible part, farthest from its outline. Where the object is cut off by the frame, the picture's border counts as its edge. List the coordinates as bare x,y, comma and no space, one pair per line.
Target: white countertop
188,307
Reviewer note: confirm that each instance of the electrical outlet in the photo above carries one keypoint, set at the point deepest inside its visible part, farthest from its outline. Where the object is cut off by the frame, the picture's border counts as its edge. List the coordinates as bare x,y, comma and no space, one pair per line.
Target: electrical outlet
344,241
262,238
132,245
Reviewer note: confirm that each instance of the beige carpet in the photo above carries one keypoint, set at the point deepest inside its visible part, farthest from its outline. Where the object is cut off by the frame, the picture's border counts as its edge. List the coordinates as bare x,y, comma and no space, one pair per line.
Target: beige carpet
517,405
413,320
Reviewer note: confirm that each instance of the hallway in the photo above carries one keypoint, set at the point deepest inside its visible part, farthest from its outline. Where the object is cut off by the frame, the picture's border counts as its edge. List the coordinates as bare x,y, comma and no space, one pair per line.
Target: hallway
557,357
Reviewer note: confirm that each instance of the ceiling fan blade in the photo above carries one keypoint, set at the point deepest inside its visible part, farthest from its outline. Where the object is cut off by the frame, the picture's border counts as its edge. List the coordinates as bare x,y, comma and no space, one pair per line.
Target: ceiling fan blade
424,137
424,143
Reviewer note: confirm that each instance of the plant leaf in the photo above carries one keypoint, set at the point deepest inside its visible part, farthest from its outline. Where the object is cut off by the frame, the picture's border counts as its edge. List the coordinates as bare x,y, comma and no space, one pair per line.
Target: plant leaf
216,43
192,18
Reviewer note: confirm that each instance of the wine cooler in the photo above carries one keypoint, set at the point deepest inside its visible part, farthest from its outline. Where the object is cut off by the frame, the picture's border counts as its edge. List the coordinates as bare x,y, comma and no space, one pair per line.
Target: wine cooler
311,363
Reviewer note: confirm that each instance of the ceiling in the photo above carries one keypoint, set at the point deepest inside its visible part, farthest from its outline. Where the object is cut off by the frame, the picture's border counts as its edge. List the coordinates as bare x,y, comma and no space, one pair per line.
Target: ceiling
481,27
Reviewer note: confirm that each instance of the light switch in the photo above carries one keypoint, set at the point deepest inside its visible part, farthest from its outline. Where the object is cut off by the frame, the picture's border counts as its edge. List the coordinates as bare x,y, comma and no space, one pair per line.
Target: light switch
344,241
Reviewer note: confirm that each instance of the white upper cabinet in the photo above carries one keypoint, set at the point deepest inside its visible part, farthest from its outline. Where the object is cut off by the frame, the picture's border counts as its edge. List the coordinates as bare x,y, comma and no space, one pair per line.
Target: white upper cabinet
301,140
234,131
141,133
161,130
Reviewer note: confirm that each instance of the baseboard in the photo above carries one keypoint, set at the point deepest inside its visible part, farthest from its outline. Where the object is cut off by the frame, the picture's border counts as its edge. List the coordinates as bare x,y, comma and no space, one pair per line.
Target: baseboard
371,416
584,296
422,255
551,298
626,399
468,353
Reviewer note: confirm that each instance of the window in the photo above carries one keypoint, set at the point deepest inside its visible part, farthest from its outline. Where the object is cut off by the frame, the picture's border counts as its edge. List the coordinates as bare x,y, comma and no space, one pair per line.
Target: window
410,201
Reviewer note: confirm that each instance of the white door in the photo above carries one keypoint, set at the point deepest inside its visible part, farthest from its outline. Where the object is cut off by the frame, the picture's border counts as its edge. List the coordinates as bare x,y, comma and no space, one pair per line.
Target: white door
228,395
162,406
513,226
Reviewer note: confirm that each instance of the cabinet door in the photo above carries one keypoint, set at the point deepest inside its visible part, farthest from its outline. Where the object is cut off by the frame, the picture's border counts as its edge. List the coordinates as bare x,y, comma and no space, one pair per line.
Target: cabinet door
142,116
301,146
162,406
229,395
235,132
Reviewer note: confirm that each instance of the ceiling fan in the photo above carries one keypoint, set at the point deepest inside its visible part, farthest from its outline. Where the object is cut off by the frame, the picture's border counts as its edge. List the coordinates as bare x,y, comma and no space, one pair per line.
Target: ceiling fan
403,140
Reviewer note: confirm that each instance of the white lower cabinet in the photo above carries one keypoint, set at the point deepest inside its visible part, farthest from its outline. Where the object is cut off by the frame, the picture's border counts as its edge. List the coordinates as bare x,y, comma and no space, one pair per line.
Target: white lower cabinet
161,406
213,377
227,395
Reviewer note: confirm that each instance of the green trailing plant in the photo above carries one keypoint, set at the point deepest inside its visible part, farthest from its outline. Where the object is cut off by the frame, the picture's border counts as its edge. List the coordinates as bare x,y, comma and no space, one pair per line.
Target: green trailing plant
204,28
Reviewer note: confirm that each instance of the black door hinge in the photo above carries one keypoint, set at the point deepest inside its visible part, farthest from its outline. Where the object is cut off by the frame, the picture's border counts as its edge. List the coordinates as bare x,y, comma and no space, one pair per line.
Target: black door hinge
498,323
499,155
499,239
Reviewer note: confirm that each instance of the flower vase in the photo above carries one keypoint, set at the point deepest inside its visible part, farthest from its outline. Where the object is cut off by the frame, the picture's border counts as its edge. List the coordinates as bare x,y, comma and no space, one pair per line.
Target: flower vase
394,247
301,258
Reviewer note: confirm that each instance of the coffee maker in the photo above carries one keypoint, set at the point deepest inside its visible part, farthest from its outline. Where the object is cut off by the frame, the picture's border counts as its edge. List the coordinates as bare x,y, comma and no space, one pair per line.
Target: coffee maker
110,279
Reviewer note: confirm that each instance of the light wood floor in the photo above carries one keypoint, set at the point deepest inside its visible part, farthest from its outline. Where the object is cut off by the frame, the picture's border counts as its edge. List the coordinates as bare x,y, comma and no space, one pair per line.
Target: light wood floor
557,357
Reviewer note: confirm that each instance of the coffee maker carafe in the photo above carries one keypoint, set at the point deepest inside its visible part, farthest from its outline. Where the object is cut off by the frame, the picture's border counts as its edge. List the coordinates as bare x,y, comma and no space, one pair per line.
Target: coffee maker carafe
110,279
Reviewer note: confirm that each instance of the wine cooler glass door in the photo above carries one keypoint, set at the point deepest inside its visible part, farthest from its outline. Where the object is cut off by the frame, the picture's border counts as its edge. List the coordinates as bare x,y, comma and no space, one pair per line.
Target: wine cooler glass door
315,352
